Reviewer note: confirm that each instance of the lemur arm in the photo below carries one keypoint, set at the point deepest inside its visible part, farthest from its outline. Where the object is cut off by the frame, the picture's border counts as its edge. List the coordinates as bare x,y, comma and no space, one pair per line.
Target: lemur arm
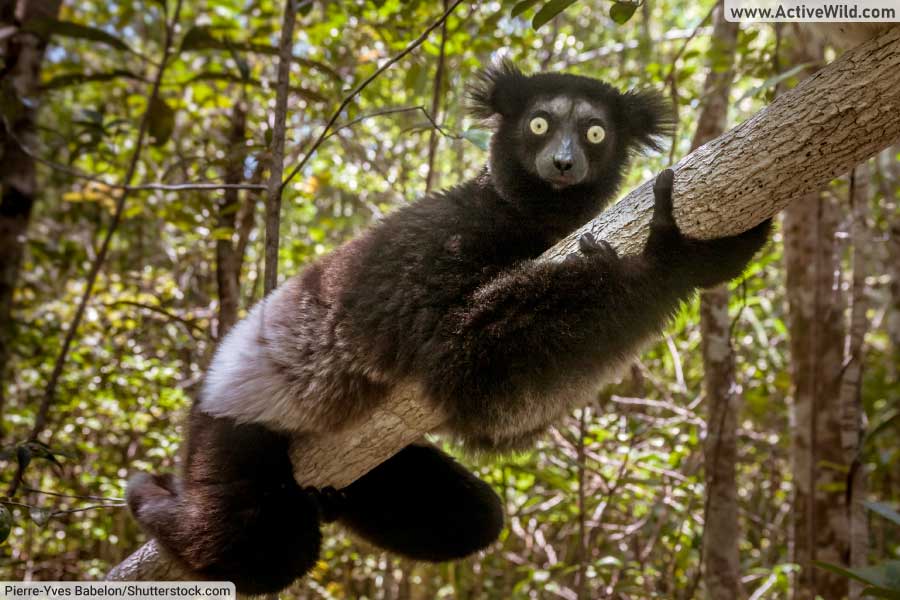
534,326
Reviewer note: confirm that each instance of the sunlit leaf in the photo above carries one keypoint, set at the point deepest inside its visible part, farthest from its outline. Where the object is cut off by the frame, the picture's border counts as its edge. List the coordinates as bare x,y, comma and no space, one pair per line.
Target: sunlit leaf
882,509
621,12
550,10
771,82
6,523
479,137
40,516
45,27
69,79
521,7
161,121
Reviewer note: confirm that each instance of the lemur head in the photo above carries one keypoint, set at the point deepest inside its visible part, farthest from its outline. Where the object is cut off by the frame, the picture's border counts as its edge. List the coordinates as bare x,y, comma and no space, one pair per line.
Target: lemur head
563,134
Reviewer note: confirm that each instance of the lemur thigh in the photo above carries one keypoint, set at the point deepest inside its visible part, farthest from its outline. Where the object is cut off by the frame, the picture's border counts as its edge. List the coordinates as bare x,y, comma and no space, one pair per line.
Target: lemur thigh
423,505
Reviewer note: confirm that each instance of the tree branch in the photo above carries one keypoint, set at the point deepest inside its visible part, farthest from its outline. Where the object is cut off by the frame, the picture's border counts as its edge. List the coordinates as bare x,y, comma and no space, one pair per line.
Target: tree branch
822,128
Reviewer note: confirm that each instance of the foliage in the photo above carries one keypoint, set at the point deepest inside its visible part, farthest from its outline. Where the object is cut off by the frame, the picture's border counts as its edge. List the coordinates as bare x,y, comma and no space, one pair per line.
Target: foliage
611,504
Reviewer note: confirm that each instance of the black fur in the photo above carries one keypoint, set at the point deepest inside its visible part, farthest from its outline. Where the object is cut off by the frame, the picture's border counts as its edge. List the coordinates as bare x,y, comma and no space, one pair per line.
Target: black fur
445,292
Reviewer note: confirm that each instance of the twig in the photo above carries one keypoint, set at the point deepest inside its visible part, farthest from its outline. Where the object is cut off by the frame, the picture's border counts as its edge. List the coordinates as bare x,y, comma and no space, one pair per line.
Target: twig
84,509
390,111
40,420
188,323
73,496
436,105
166,187
276,167
355,92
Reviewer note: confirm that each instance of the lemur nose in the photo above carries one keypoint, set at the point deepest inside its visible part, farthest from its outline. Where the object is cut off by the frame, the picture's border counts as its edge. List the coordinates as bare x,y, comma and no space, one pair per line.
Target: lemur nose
563,163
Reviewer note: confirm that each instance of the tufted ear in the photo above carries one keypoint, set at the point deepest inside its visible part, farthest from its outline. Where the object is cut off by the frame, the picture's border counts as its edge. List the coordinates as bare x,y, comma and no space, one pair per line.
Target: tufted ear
649,117
496,90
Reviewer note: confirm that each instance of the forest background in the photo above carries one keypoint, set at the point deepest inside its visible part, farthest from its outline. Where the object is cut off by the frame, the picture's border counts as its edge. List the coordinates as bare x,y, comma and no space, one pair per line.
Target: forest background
753,452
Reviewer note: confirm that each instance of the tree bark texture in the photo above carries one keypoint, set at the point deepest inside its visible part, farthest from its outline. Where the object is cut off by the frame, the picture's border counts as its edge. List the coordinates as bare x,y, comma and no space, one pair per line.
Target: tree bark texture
815,322
721,554
820,129
228,261
22,53
851,409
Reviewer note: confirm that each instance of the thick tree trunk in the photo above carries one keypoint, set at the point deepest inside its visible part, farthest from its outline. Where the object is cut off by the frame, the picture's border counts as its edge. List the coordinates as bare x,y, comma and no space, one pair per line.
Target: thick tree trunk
22,54
815,319
721,556
815,322
821,129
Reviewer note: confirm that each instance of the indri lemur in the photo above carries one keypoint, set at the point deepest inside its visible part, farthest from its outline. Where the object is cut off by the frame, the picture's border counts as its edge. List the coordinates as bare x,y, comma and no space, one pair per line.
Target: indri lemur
445,292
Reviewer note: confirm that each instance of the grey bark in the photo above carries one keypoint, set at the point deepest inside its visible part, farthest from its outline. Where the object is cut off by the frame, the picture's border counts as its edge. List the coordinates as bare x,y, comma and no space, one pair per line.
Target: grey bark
276,166
822,128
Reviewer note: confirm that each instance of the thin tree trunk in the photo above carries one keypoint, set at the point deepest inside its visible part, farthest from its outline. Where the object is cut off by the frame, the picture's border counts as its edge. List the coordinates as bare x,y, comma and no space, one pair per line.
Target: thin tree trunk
22,54
820,129
434,136
276,167
228,262
721,556
852,415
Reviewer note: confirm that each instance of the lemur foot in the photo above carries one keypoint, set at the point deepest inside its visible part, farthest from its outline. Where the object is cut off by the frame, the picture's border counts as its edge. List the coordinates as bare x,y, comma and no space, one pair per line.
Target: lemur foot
330,502
591,247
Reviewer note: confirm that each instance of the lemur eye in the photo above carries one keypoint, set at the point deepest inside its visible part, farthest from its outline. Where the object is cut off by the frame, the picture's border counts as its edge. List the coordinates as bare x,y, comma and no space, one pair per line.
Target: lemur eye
539,125
595,134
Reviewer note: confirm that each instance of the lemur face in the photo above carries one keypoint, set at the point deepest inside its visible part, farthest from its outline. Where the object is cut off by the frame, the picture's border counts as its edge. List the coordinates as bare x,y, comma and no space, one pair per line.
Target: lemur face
557,132
564,137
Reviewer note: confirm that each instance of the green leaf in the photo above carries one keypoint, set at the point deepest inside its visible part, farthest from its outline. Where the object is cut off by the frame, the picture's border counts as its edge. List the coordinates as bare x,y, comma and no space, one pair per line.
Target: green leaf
23,457
41,516
521,7
876,592
200,37
161,121
479,137
6,523
620,12
44,27
771,82
69,79
550,10
885,575
882,509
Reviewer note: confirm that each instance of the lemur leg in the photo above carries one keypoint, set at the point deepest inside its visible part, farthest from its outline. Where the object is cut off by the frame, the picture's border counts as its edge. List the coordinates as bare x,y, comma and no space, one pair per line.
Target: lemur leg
511,351
423,505
237,515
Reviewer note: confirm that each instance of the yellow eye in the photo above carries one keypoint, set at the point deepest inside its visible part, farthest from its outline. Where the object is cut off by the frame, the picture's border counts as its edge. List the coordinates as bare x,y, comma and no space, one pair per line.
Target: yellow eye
538,126
595,134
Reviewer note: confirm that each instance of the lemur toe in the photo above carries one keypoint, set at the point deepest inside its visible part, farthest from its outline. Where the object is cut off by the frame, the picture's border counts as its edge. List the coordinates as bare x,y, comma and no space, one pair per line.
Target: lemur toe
588,244
662,195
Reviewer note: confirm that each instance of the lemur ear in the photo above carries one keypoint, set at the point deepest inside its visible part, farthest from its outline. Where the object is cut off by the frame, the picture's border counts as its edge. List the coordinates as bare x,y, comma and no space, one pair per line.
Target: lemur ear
649,118
496,90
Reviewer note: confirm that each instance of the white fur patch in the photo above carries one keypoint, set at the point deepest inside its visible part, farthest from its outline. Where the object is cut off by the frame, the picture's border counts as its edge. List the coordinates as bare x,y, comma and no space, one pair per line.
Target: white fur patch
242,382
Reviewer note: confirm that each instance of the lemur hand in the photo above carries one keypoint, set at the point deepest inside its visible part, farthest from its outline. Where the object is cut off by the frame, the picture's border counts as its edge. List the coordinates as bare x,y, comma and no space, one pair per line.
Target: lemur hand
700,263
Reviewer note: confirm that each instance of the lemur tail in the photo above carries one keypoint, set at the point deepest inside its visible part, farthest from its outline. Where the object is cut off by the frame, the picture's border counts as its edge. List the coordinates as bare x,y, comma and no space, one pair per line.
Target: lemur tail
262,540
